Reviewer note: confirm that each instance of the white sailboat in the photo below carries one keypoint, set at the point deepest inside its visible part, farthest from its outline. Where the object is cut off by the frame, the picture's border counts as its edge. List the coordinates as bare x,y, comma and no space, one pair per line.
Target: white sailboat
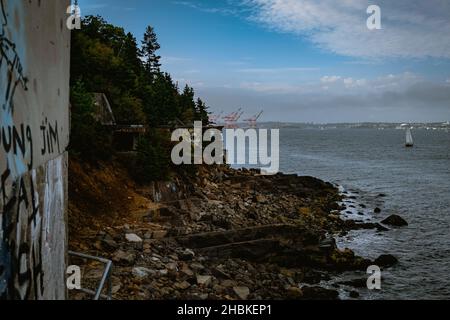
409,138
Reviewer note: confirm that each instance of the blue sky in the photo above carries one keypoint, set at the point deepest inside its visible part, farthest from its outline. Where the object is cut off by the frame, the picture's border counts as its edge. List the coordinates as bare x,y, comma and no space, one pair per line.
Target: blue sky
301,60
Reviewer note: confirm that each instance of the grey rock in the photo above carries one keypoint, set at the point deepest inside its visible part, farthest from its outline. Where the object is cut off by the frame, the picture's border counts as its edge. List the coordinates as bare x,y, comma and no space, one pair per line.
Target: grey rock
163,272
242,292
131,237
123,257
159,234
187,255
197,266
142,272
182,285
109,243
204,281
395,220
228,283
386,260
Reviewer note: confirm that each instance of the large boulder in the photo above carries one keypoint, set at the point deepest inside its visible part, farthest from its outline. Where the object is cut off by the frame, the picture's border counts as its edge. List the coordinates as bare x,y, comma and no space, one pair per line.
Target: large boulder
386,260
395,220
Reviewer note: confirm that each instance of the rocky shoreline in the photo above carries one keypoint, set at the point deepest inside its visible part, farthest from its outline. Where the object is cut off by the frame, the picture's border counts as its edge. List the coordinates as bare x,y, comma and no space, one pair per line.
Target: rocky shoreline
230,234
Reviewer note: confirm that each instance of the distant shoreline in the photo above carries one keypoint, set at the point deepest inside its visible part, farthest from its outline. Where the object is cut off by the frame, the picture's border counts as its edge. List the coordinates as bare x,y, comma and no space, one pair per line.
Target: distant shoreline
362,125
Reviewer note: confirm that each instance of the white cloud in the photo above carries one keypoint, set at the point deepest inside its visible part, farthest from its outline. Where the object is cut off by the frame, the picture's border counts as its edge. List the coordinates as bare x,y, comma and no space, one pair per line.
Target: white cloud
388,82
192,83
276,70
352,83
337,85
271,87
410,28
348,81
330,79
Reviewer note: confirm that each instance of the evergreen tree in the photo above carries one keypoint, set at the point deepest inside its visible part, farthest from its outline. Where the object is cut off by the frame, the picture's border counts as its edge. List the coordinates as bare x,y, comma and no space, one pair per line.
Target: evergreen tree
201,112
161,100
150,46
187,105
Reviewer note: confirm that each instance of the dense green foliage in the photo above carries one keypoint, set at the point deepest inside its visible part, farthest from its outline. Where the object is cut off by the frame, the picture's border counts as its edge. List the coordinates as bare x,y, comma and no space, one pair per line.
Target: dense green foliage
106,59
88,138
153,160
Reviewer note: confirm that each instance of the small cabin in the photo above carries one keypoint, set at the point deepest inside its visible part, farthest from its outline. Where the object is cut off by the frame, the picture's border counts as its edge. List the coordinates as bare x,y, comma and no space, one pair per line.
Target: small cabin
126,137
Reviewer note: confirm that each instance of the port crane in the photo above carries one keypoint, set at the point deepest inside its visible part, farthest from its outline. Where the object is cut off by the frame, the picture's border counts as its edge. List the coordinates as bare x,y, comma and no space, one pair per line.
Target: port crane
252,122
213,118
232,119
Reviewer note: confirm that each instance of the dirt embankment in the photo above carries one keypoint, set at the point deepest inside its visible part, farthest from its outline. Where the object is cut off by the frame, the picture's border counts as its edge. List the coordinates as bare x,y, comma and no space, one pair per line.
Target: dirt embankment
222,234
102,197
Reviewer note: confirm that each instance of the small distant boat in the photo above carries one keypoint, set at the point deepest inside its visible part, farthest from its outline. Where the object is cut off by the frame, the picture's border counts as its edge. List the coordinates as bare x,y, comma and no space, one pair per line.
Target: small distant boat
409,138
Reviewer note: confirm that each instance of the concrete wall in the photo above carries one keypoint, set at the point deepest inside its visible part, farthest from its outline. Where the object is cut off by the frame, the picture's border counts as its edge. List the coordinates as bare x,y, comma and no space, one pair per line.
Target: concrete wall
34,133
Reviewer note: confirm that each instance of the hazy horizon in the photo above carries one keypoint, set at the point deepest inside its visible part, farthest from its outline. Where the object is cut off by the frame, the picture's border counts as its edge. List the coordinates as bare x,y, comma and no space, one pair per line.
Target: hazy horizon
359,122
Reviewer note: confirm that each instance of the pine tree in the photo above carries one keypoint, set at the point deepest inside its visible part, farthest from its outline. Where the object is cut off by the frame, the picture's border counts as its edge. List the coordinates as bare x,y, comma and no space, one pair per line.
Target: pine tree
150,46
201,111
187,105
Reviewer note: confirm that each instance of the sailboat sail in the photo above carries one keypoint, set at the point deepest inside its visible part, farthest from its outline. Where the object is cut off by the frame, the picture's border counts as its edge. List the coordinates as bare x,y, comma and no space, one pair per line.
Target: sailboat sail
409,138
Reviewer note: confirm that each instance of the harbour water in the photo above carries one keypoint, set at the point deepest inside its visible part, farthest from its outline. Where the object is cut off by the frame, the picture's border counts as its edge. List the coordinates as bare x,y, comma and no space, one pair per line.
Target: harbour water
376,170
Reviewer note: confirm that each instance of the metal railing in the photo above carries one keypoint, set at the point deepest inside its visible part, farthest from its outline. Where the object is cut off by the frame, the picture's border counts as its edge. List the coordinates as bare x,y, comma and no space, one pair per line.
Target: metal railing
106,277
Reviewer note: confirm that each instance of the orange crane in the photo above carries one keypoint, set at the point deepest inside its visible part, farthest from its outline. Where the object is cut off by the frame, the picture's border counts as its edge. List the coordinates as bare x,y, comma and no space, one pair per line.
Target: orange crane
238,116
232,118
252,122
213,118
234,124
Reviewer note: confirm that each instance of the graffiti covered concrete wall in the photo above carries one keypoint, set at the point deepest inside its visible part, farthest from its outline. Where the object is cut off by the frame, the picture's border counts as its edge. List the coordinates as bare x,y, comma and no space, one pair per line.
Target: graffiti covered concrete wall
34,133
